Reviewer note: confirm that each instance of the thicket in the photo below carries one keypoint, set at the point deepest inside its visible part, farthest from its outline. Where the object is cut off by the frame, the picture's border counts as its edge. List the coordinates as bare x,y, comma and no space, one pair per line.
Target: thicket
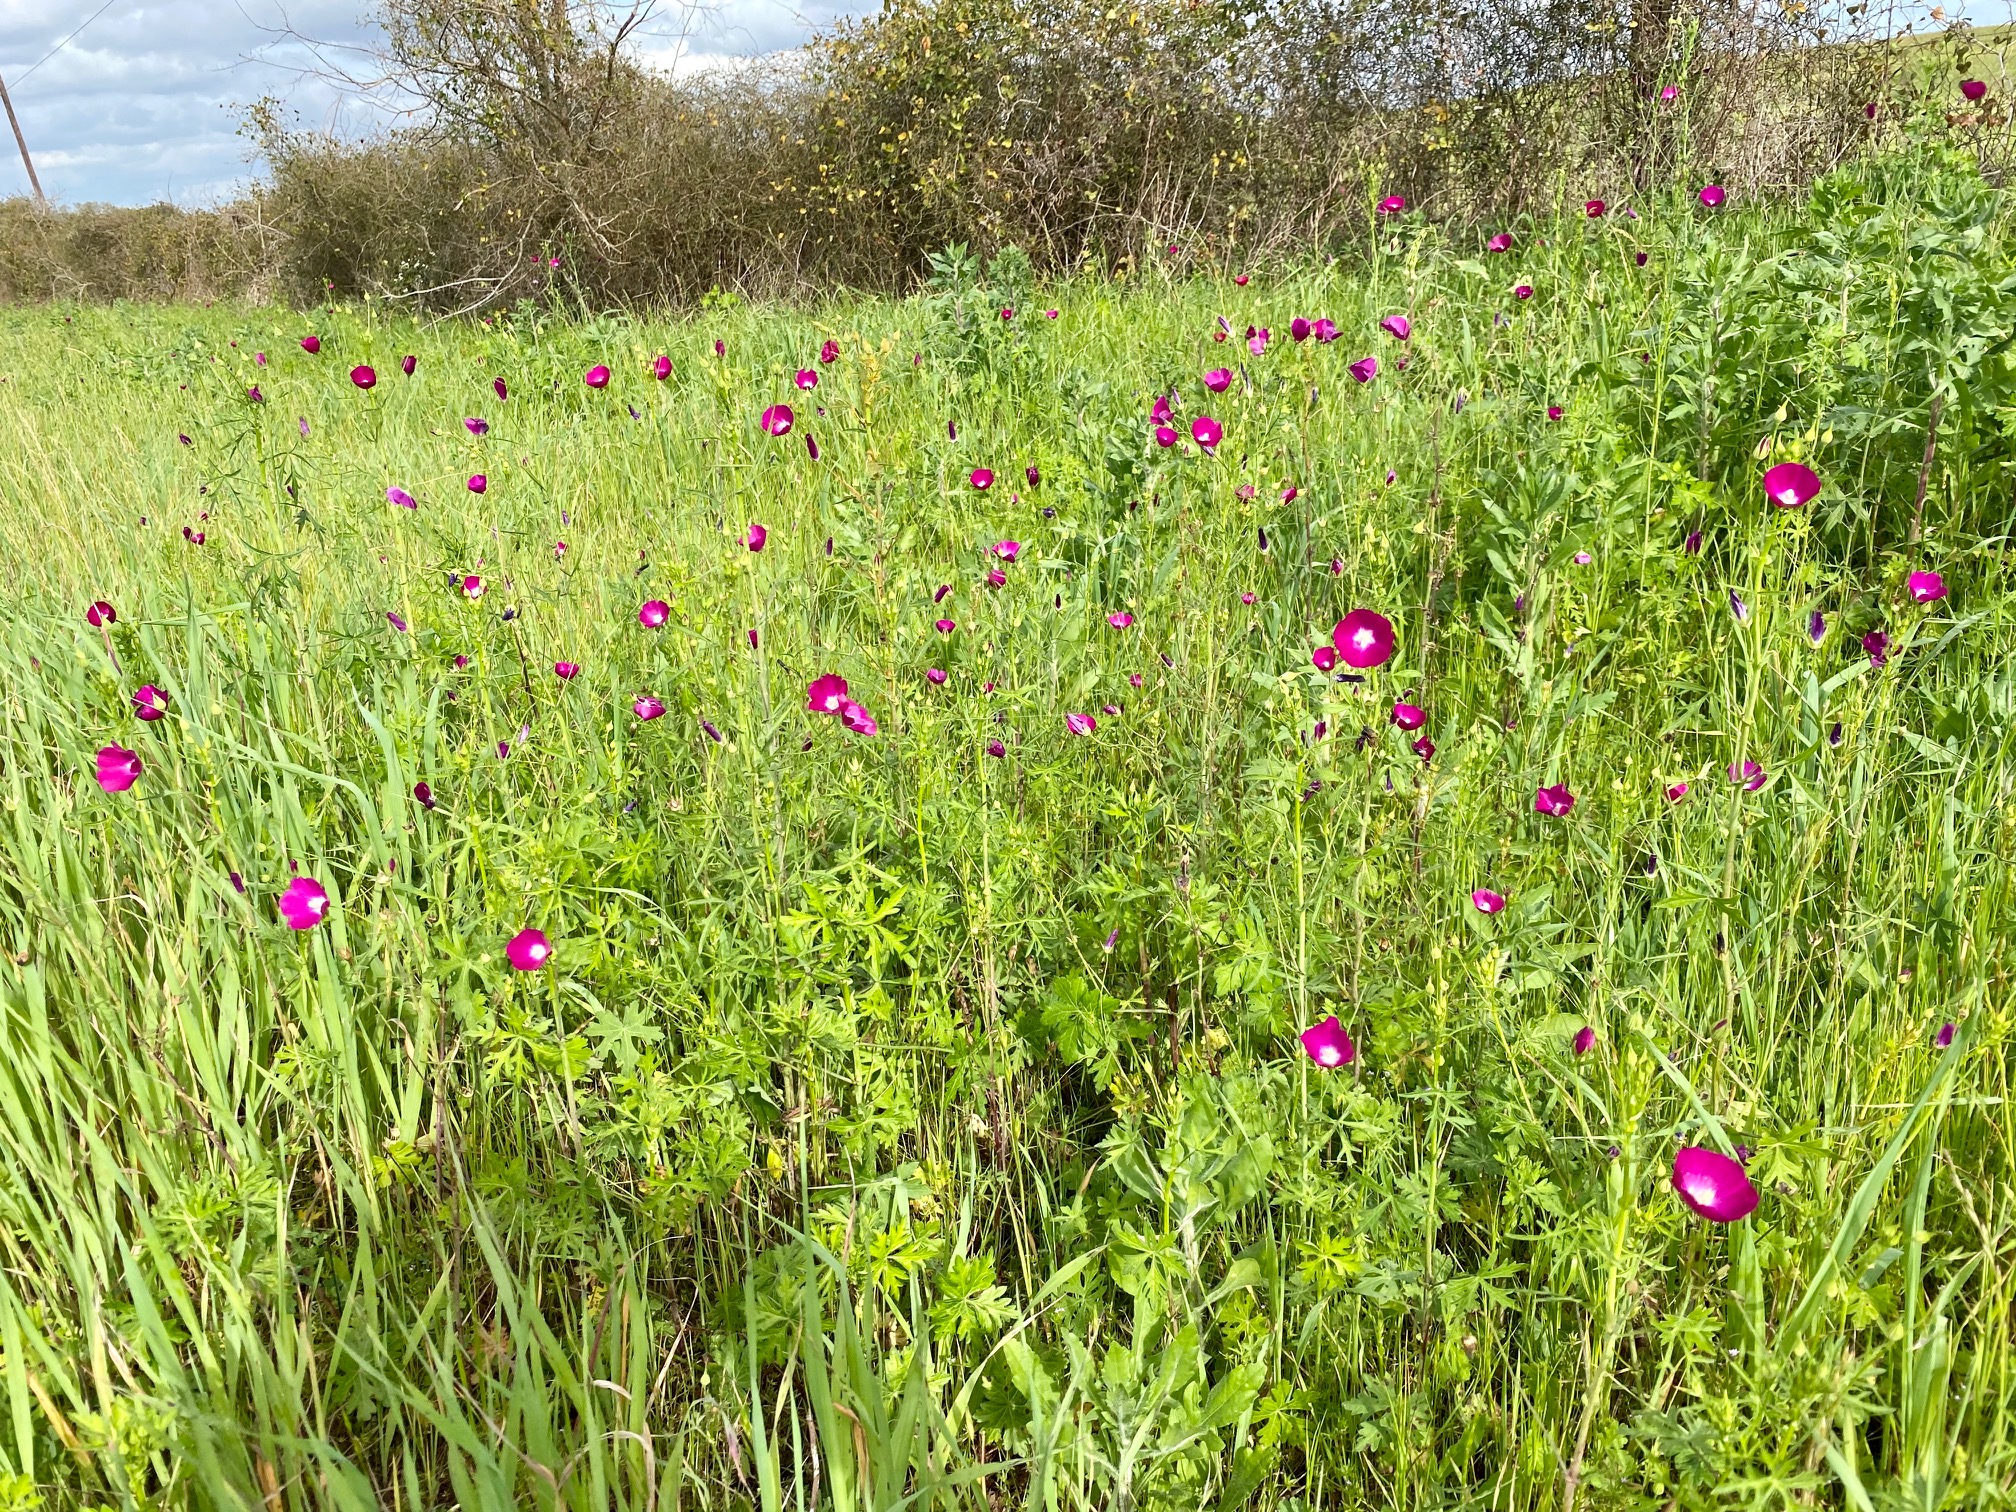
1091,135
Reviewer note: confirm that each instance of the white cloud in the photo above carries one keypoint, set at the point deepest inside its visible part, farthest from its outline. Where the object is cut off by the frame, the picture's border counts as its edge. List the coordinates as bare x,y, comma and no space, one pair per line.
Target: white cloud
145,104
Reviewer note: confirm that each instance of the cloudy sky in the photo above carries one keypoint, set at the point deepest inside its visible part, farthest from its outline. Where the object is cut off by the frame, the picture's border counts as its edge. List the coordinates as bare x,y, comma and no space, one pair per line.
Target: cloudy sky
144,103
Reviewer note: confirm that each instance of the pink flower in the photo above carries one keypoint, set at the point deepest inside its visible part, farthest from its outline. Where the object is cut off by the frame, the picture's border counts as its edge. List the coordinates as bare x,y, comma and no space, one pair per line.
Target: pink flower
1165,436
566,671
1328,1045
935,675
149,702
1502,242
1323,658
472,586
1486,901
857,719
422,795
1676,792
982,478
807,378
1712,196
996,749
996,578
1750,774
1585,1039
1925,587
1877,644
1522,291
1206,432
1973,89
476,425
304,903
1399,327
596,377
755,537
1393,204
777,420
1593,209
826,694
1791,485
529,949
1555,800
647,707
1007,550
829,351
1365,369
1712,1185
402,498
1257,343
1298,329
661,367
654,613
1364,638
100,613
478,483
1246,598
499,387
408,363
945,626
363,376
1409,716
1669,94
1080,724
1218,380
118,768
310,344
1120,621
1945,1035
1324,330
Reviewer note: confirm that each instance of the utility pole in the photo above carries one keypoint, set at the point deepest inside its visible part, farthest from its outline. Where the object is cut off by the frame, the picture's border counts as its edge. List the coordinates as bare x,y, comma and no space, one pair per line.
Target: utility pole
22,142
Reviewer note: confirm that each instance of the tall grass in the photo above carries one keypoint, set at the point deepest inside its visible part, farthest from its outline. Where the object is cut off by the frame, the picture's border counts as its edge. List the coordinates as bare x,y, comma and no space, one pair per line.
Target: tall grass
900,1126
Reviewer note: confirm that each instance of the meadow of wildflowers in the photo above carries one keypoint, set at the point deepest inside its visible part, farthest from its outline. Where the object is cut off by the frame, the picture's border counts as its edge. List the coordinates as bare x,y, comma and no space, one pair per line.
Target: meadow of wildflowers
1300,887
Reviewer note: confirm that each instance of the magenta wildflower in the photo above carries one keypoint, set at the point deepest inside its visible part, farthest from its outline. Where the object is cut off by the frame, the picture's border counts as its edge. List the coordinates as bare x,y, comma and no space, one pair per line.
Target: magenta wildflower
1555,800
1365,369
647,707
1522,291
472,586
566,671
1120,621
754,537
1676,792
1594,209
596,377
1693,543
1080,724
934,675
118,768
304,903
830,351
996,749
1877,644
363,376
777,420
529,949
1007,550
309,344
398,620
807,378
1206,432
1553,412
1218,380
1298,329
826,694
661,367
857,719
1502,242
1399,327
478,483
1585,1040
982,478
476,425
403,499
1486,901
1816,627
100,613
1791,485
1328,1045
1364,638
1409,716
1165,436
424,796
1393,204
1713,1185
1945,1035
1750,774
1324,658
945,626
1712,196
654,613
1925,587
149,702
1972,89
408,363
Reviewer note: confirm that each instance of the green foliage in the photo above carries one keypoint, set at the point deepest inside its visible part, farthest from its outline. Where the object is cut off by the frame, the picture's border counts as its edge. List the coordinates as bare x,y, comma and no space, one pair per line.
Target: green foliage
899,1125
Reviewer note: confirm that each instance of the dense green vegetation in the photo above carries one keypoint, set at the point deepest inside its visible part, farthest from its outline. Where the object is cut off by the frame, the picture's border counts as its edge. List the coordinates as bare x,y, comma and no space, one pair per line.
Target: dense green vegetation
897,1124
